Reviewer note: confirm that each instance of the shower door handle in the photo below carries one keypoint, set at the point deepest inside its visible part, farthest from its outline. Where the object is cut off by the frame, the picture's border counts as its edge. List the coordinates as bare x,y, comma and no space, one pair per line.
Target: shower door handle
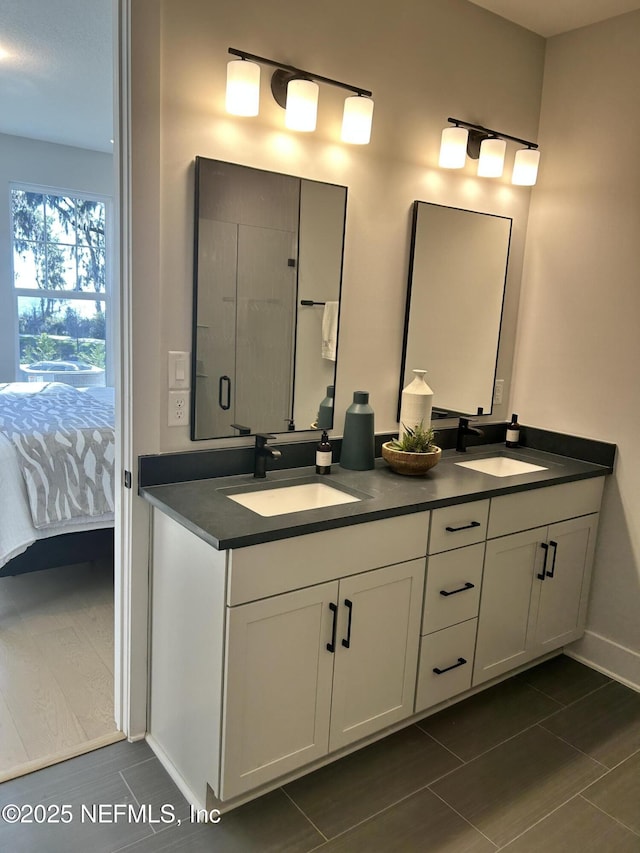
224,384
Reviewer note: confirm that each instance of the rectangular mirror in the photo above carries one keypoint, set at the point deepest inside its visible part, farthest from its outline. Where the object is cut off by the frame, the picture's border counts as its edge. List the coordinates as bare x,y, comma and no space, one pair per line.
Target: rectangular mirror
457,275
267,281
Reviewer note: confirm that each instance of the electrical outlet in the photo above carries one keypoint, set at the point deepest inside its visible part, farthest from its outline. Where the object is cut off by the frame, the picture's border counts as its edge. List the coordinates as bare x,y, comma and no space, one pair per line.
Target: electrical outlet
178,414
498,391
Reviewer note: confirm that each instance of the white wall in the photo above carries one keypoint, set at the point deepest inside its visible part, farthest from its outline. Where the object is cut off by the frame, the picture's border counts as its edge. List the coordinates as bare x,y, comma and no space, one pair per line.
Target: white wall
43,163
423,60
578,351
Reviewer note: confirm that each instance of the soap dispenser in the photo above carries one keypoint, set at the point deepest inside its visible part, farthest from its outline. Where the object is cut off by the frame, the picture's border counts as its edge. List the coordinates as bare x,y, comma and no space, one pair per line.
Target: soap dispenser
513,432
323,455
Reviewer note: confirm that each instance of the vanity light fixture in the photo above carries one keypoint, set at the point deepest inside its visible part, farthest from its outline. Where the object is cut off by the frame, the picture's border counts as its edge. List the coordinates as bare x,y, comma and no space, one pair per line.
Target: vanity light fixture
302,105
453,147
297,91
243,88
488,147
491,159
525,167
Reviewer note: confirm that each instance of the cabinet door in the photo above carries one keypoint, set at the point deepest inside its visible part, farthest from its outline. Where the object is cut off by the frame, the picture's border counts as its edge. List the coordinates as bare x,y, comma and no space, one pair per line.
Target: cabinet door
277,686
377,656
508,603
561,610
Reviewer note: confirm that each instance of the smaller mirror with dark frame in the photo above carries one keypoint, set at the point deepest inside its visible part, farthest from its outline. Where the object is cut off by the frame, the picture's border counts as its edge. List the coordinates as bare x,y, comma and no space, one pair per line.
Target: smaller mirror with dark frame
267,285
455,295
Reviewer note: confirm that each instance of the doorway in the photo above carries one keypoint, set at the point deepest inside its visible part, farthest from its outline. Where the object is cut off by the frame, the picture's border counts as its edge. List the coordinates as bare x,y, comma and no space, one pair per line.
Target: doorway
60,678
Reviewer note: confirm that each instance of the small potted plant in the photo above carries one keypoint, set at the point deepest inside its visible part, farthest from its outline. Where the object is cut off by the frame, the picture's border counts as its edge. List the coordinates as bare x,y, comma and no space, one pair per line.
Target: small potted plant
414,453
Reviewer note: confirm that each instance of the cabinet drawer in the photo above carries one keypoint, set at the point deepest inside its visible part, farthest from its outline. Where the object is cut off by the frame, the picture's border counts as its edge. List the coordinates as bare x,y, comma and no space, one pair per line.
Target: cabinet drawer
453,587
455,526
539,507
445,650
259,571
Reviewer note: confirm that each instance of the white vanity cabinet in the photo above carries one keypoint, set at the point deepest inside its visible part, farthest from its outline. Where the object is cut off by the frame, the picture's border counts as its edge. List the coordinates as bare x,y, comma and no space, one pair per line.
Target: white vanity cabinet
311,644
268,658
536,581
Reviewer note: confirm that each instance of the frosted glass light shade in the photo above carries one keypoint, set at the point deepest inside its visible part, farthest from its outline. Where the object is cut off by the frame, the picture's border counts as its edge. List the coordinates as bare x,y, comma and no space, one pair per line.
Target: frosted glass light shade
525,167
453,148
302,105
243,88
491,162
357,120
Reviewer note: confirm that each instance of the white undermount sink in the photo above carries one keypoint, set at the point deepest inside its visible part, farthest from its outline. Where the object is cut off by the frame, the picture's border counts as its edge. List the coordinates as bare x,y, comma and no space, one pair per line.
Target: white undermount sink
501,466
278,501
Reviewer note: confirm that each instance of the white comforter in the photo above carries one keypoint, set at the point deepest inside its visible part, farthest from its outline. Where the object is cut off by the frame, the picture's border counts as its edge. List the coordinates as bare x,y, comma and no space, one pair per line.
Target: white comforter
16,528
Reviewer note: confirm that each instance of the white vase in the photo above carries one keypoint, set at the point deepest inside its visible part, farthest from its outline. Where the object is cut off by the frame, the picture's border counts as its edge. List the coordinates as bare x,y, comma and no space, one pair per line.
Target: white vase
415,405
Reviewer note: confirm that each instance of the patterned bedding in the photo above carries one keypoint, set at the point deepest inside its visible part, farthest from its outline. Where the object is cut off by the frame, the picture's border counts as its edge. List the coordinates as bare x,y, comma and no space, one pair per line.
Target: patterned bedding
57,446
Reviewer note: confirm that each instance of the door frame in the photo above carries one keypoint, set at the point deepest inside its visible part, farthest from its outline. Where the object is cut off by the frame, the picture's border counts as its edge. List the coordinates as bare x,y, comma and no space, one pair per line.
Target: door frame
127,714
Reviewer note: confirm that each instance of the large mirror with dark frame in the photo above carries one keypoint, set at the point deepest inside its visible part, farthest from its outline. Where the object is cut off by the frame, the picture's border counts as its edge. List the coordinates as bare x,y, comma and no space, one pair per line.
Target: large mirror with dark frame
267,282
455,295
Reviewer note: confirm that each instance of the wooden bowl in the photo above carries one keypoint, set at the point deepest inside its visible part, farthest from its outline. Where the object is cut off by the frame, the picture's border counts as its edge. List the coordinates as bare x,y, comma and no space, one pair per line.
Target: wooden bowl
413,464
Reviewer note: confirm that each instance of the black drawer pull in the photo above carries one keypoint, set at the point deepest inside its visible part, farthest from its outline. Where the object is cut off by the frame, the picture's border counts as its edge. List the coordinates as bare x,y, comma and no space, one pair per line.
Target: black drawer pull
331,647
461,662
554,545
542,574
464,527
348,604
468,585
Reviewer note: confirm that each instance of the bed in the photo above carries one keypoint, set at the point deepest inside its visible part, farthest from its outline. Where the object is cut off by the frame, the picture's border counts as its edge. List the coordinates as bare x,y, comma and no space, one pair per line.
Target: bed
57,453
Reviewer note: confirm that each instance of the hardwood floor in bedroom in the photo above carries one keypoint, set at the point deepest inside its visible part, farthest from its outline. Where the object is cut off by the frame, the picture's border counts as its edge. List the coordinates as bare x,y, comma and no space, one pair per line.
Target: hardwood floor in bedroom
56,665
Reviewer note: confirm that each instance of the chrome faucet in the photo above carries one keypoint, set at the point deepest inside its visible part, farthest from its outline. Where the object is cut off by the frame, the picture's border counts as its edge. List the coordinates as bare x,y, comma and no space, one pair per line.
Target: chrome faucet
464,429
262,452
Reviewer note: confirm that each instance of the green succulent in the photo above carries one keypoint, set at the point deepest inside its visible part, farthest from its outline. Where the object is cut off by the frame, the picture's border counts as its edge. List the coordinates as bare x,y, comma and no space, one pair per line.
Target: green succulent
415,440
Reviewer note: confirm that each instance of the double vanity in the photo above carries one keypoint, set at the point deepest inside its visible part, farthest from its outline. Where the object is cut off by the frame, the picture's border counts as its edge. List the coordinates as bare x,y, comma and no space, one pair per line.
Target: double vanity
287,632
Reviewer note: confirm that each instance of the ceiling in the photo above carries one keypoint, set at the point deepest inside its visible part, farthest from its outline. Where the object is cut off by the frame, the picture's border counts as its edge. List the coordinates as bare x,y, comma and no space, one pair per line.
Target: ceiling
551,17
56,71
56,60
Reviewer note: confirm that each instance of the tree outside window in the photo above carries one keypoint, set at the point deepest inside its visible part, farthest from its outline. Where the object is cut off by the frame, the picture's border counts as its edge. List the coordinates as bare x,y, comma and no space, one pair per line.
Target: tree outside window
60,280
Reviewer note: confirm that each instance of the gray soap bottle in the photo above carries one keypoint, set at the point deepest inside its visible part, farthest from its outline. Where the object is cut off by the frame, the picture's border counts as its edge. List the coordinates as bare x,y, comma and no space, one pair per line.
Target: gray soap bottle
358,441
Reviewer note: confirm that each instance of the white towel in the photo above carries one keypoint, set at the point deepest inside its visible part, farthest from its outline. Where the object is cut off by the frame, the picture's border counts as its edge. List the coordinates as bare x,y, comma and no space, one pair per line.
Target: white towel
330,330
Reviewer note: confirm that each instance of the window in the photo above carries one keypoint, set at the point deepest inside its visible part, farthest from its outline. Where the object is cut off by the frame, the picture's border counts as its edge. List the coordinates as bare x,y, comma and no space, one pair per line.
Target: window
60,278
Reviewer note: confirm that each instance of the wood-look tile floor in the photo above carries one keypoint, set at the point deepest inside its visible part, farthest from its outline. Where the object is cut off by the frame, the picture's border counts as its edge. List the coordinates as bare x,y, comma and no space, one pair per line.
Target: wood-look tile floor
547,762
56,662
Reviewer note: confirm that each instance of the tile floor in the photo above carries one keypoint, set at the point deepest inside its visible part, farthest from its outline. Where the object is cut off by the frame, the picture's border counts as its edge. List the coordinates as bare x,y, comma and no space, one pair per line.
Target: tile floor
547,761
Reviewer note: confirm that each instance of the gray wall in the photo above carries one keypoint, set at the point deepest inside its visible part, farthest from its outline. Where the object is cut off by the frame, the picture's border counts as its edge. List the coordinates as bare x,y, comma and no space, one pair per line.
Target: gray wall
578,341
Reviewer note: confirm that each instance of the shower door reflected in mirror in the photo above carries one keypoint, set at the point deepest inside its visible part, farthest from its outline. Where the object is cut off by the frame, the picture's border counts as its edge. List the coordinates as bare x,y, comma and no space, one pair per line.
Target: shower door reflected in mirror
267,245
455,296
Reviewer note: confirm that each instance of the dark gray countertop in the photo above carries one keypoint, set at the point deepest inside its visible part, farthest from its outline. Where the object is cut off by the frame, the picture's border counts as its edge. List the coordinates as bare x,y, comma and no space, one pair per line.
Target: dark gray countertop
203,507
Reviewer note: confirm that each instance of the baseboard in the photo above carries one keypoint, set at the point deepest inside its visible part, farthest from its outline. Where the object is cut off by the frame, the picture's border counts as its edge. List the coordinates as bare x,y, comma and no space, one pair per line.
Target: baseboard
612,659
185,790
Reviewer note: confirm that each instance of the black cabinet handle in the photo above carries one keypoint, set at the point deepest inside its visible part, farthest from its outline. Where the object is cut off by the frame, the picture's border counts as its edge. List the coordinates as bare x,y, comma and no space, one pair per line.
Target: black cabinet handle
221,383
554,545
461,662
468,585
465,527
542,574
349,604
331,647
